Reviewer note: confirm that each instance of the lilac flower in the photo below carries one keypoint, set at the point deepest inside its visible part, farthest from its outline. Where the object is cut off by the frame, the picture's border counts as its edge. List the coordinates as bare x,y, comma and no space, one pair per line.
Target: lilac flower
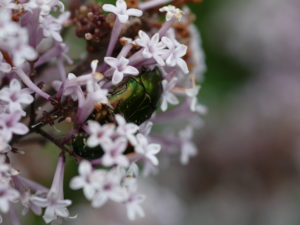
7,26
188,148
8,4
152,48
99,134
4,67
133,199
88,180
56,205
9,125
127,130
168,96
145,128
133,206
52,26
95,95
121,11
27,200
114,153
148,151
68,90
45,6
110,188
172,11
192,93
175,54
15,96
15,40
6,171
72,86
8,194
120,67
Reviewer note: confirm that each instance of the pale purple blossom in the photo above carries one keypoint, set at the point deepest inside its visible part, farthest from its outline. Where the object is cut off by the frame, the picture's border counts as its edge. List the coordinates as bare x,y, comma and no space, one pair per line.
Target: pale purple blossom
88,179
8,195
127,130
27,200
145,128
8,4
55,204
148,151
172,12
9,125
113,153
4,67
15,40
120,67
188,148
52,26
152,48
175,53
110,188
133,199
15,97
99,134
133,206
71,90
44,5
6,24
6,171
168,96
121,11
95,95
96,92
192,93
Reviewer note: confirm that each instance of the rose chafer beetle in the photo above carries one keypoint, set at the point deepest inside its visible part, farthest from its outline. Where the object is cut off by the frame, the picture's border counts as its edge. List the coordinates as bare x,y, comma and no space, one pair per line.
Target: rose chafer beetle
136,98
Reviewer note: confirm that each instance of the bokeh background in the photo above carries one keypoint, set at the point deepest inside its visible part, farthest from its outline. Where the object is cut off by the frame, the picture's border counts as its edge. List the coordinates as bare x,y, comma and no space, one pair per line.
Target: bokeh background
248,165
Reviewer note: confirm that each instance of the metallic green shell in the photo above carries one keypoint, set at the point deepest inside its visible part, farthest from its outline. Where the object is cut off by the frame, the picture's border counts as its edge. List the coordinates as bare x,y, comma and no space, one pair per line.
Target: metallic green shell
83,150
138,97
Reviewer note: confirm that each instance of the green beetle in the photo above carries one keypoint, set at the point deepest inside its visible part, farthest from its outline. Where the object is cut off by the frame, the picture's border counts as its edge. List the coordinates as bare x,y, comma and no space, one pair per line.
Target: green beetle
136,98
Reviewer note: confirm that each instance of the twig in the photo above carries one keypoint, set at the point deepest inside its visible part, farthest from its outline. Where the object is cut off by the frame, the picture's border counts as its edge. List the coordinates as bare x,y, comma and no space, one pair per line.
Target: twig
58,143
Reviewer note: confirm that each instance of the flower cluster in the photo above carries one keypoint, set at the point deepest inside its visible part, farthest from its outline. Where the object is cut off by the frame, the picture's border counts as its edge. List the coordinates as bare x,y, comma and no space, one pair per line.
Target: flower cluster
135,74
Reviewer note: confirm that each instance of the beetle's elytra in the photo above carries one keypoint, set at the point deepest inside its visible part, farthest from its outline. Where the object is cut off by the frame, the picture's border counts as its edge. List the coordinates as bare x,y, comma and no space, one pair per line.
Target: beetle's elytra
136,98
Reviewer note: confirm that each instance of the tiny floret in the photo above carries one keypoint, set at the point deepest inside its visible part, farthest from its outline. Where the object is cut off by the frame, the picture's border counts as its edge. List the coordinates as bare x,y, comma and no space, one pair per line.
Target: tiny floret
121,68
121,11
172,11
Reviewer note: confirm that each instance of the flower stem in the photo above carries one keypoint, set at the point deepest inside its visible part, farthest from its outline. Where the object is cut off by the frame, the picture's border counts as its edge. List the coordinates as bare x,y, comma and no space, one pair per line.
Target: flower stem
167,25
57,143
13,216
30,84
114,37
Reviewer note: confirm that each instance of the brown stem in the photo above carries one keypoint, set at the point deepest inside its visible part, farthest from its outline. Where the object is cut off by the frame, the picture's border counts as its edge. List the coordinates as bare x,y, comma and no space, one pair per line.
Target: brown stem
58,143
